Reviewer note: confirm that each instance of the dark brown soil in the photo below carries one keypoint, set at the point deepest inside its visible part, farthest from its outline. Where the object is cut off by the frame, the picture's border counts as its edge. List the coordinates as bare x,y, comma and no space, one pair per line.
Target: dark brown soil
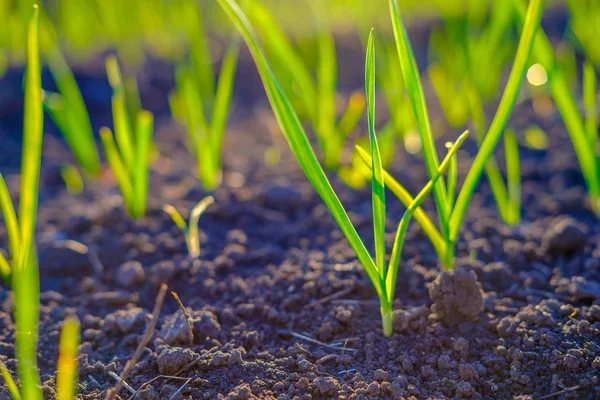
281,308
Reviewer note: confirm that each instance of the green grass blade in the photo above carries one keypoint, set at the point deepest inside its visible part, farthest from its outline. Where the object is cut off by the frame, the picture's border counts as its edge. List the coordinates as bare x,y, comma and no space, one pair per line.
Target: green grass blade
351,116
299,143
11,386
123,133
25,278
193,109
144,128
4,269
67,368
286,55
192,236
223,97
452,181
118,167
414,87
202,63
72,178
590,88
378,186
78,134
392,273
176,217
509,98
513,174
406,198
326,87
10,220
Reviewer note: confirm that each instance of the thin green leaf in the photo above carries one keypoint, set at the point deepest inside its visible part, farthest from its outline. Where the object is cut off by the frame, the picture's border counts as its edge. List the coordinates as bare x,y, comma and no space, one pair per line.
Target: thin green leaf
202,62
123,133
78,133
10,219
118,167
4,269
72,178
67,367
351,116
590,88
9,382
416,95
509,98
223,97
452,180
25,275
513,173
299,143
176,217
378,186
193,238
144,128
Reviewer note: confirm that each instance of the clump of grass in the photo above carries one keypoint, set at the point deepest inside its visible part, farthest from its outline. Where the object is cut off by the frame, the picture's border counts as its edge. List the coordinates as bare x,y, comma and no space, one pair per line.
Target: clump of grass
451,207
128,150
383,277
200,103
316,95
190,230
582,127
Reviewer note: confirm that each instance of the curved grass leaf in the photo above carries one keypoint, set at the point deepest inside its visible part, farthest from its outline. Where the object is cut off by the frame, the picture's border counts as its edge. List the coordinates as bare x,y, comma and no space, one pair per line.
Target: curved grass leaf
11,386
298,141
509,98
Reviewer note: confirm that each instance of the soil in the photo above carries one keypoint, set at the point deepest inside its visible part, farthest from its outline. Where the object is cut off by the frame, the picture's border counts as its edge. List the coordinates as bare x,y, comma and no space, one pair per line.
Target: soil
280,308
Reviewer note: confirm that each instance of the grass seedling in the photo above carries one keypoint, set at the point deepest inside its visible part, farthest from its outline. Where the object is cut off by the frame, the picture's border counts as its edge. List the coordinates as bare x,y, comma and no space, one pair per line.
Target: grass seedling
451,208
69,112
23,273
314,97
72,178
66,376
383,279
201,104
582,129
190,230
128,150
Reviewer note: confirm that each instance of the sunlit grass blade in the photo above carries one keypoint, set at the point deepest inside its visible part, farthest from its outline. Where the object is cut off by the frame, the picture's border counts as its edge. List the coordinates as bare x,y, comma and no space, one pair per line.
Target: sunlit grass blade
509,98
513,175
10,220
175,216
67,367
25,278
282,48
590,89
406,198
4,269
122,123
378,187
298,141
201,60
144,127
117,166
452,181
416,95
193,239
72,178
11,386
223,95
351,116
326,87
78,133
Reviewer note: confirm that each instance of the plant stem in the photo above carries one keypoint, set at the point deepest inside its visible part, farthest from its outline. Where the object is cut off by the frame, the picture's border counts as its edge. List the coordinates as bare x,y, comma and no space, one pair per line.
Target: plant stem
387,319
448,258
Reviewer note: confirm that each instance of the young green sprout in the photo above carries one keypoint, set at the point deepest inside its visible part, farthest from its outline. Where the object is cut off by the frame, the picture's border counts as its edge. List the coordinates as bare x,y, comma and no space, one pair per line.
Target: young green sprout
315,98
451,208
128,150
202,105
383,279
22,273
69,112
190,230
581,128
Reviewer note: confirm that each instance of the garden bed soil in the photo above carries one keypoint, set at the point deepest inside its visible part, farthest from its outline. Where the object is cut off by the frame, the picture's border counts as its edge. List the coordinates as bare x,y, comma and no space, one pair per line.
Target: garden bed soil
281,308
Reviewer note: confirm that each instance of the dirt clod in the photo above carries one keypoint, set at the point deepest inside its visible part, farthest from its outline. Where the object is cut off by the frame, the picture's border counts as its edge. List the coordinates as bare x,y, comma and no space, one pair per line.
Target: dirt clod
171,360
130,274
456,296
